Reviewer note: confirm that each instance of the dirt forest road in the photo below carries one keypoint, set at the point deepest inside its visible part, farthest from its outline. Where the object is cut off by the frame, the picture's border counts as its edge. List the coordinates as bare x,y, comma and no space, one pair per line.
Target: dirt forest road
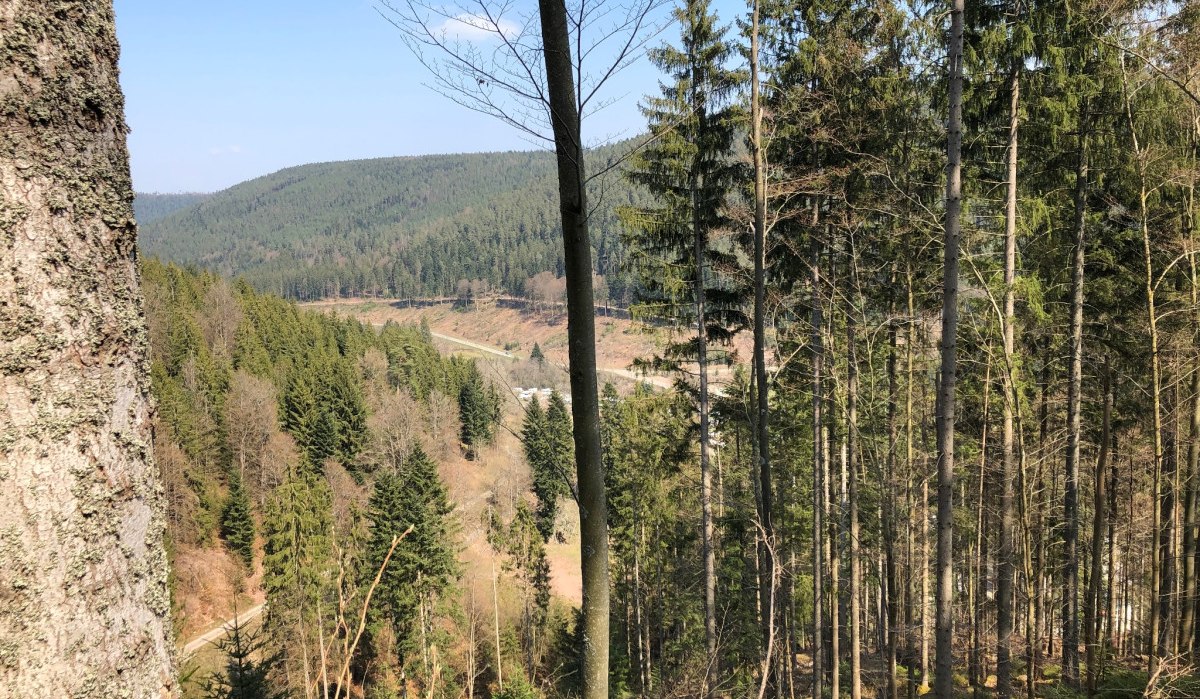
474,345
220,631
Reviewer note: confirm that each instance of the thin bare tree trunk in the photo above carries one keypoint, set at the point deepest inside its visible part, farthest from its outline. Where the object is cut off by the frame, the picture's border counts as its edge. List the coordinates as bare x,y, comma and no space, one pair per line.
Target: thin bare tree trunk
496,617
581,345
978,671
910,462
944,633
1193,453
707,534
84,576
891,602
1160,590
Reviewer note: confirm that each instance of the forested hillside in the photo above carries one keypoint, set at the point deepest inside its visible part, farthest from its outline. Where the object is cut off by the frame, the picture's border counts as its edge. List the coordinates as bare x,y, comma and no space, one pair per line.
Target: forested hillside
404,227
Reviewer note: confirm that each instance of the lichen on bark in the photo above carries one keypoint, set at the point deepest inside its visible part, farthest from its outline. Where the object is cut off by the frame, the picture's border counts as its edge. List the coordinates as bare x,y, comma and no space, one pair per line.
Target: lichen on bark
83,572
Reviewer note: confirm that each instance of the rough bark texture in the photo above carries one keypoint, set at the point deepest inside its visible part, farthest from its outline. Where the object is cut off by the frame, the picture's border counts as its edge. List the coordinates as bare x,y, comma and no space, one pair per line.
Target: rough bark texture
581,346
83,585
943,685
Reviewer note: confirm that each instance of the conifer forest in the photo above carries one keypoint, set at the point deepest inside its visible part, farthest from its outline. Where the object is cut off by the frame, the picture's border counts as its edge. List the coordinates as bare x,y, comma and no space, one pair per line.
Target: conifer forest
906,301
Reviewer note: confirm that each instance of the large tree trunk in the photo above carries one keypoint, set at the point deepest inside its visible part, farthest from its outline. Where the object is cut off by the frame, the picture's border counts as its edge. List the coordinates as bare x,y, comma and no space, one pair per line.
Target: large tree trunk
944,631
83,585
581,346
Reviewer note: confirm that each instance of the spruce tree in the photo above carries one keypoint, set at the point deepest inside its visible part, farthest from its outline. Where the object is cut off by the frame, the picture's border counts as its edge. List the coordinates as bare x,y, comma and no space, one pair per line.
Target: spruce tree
248,666
536,355
478,409
549,451
237,526
424,562
689,169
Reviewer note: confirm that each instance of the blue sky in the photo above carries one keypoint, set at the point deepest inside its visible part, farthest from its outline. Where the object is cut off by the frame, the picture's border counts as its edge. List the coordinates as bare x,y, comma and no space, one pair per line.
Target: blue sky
221,91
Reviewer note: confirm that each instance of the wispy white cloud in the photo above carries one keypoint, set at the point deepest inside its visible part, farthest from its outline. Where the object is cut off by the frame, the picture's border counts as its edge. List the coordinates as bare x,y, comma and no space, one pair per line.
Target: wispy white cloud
469,27
217,151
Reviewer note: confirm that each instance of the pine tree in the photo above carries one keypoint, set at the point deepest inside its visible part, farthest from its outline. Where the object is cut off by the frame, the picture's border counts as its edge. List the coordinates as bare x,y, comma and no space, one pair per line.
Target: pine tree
237,526
536,355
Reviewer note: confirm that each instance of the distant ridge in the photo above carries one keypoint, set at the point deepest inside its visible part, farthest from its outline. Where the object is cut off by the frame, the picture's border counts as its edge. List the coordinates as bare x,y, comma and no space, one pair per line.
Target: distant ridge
402,227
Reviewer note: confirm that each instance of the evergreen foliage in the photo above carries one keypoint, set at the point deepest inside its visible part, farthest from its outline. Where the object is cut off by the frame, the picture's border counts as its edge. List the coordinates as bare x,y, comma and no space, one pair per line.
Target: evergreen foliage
688,169
424,563
249,662
237,524
550,453
479,410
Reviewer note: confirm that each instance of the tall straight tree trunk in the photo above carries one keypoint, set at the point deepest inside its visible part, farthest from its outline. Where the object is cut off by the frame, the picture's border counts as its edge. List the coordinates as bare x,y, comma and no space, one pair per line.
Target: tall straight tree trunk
762,432
581,345
833,501
977,665
1006,555
700,246
83,584
890,543
835,494
910,461
944,633
852,458
1070,612
818,553
1095,653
